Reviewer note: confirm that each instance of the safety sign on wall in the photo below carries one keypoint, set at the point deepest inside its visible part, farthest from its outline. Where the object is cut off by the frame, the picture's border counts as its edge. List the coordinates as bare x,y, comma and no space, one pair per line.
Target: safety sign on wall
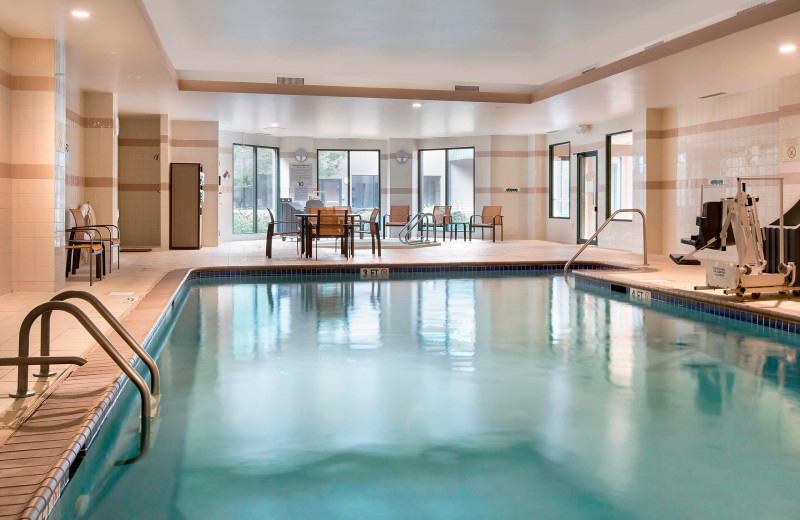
790,149
300,181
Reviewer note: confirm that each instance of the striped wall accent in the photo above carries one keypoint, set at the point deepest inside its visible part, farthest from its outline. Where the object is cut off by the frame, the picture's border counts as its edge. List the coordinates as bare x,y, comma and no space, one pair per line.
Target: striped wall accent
27,83
27,171
194,143
100,182
155,143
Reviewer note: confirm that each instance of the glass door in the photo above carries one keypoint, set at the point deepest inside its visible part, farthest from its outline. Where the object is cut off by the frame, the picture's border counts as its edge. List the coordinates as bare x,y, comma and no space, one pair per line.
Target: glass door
587,196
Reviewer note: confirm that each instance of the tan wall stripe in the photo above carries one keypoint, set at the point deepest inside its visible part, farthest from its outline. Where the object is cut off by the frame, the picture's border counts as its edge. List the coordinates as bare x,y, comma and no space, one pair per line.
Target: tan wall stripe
155,143
33,171
76,118
164,139
99,182
139,187
5,171
164,186
6,79
789,110
225,151
210,187
100,122
74,180
194,143
33,83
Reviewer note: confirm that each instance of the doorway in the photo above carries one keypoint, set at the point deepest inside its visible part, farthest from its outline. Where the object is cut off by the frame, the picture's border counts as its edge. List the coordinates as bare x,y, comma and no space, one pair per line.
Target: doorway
587,196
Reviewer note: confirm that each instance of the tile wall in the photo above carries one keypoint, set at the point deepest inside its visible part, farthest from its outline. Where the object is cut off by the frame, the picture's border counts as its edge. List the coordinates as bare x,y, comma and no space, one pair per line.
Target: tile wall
34,194
5,163
198,142
140,181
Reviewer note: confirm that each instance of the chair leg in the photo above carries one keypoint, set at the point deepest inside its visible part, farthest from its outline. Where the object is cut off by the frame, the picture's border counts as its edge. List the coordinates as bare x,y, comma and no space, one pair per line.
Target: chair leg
269,244
69,262
502,228
378,238
101,266
492,232
90,270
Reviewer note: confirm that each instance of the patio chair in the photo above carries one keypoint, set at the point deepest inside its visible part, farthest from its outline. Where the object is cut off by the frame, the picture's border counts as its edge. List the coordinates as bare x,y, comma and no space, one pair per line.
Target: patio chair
398,217
490,217
283,234
112,242
80,240
331,224
374,229
441,217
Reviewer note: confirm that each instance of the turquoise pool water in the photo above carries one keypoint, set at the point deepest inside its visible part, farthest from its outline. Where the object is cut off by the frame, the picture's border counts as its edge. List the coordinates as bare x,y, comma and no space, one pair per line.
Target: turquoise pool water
500,397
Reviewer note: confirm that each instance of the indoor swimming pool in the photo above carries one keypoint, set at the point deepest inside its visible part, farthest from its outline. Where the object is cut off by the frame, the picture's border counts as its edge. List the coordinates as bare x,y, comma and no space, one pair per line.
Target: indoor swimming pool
492,396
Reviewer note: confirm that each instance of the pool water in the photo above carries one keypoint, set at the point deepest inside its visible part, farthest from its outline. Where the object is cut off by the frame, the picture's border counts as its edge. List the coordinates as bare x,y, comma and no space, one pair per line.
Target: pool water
500,397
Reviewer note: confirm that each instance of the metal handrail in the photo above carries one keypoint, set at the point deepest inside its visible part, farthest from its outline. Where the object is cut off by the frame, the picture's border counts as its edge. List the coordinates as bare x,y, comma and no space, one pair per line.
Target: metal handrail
416,220
102,340
644,237
44,370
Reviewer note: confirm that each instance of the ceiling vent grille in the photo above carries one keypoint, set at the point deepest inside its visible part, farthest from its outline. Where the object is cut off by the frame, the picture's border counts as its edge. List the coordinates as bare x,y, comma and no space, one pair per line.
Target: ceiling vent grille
291,81
468,88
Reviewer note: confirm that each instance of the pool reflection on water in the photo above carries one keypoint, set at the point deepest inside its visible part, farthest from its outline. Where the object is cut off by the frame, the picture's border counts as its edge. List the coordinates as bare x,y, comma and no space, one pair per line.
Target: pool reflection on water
503,397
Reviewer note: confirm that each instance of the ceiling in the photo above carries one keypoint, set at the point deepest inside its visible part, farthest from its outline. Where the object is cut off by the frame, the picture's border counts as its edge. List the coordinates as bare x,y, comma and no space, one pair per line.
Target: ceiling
471,41
524,44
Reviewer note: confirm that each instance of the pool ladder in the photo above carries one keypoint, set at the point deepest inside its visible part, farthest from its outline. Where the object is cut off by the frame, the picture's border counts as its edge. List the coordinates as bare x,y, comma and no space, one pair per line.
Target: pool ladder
24,360
644,237
417,221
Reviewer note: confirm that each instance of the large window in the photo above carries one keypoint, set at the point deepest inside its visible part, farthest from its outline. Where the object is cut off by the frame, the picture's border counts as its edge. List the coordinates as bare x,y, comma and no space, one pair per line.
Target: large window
350,178
559,180
619,173
255,187
447,178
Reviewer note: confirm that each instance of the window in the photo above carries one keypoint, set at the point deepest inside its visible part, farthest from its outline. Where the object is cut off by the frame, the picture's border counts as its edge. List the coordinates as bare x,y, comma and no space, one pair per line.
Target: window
559,180
255,187
350,178
447,178
619,173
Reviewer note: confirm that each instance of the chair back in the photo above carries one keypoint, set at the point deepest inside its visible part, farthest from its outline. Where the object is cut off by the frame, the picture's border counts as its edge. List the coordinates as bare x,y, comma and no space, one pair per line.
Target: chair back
490,213
399,213
271,217
343,208
374,217
79,222
441,215
331,223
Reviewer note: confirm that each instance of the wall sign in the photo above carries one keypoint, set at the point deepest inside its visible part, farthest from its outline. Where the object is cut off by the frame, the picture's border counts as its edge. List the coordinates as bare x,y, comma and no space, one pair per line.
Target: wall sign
300,181
790,149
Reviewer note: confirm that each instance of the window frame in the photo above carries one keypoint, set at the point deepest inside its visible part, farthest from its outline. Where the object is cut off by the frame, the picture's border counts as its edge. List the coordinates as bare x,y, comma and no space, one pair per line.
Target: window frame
551,173
255,148
349,176
446,174
608,178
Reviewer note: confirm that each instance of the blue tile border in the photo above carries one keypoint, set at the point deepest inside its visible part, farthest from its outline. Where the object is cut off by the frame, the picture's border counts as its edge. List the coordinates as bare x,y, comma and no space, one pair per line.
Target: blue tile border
730,310
301,273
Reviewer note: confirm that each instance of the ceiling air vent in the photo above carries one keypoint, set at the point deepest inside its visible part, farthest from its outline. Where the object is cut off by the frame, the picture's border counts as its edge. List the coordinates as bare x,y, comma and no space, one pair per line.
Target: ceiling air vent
291,81
468,88
712,95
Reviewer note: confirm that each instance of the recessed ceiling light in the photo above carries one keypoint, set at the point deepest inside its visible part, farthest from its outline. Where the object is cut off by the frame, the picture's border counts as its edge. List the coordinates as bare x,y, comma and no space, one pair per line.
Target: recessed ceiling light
786,48
134,76
416,105
80,13
110,52
274,125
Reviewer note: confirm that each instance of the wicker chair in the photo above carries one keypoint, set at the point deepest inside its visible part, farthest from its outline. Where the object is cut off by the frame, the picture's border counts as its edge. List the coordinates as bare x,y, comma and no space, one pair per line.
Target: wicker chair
90,240
331,224
441,217
374,229
283,234
490,217
112,242
398,217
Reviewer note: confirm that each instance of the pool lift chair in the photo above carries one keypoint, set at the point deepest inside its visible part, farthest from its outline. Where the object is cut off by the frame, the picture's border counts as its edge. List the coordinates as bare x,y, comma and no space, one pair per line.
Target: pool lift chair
734,221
